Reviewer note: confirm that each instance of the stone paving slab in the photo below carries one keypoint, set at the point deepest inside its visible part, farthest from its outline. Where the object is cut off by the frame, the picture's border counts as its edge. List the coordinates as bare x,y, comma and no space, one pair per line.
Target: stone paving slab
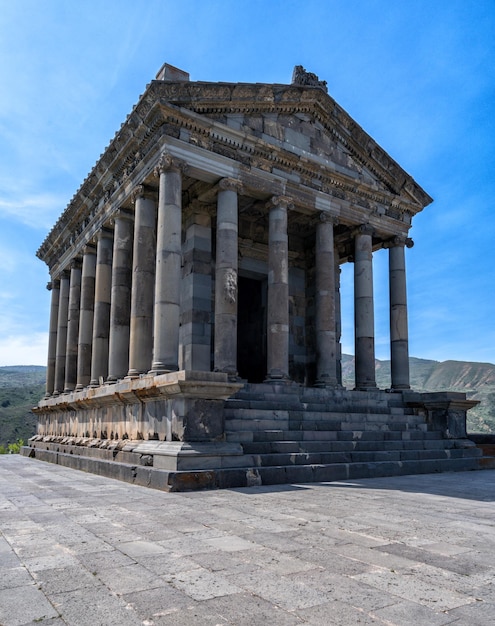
79,549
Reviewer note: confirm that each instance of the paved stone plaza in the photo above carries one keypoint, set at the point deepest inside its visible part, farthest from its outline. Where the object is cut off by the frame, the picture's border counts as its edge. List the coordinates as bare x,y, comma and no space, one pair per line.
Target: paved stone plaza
78,549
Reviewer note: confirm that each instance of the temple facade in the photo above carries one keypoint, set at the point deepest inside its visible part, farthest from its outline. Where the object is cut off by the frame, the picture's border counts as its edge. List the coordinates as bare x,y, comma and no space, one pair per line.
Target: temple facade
200,261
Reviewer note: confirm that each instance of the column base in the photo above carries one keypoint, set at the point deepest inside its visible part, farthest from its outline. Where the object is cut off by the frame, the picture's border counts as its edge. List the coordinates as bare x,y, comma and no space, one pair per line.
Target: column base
232,374
327,383
163,368
366,388
277,376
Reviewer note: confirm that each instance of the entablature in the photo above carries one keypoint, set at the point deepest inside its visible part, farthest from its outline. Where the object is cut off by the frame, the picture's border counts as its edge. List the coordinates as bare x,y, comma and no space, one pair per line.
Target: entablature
177,118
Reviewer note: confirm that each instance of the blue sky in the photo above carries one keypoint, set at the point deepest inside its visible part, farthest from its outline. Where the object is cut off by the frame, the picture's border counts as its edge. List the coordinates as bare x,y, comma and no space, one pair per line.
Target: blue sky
419,76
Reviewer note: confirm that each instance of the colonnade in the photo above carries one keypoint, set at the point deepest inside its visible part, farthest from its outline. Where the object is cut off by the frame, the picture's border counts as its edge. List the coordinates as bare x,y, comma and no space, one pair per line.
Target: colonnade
116,313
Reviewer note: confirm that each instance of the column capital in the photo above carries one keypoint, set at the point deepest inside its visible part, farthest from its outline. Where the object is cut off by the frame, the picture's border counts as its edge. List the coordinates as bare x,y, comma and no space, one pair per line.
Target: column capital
64,274
328,218
121,214
89,248
285,201
168,163
141,191
230,184
53,284
363,229
104,233
75,263
399,241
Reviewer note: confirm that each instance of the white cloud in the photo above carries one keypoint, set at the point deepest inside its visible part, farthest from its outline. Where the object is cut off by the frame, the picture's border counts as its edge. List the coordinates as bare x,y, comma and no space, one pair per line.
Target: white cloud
27,349
34,210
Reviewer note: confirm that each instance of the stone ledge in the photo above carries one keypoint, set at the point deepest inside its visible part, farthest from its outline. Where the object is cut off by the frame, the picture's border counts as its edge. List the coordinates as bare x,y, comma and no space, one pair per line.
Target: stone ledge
186,383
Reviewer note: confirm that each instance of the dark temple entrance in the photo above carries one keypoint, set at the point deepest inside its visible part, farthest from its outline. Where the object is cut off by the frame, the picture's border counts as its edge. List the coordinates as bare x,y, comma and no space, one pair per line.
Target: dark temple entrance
251,330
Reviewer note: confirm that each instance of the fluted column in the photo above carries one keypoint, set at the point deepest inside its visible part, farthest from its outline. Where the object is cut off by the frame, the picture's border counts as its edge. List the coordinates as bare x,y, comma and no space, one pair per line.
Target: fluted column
120,305
63,308
103,289
226,268
73,326
278,291
86,317
54,287
399,341
326,362
143,283
364,324
168,266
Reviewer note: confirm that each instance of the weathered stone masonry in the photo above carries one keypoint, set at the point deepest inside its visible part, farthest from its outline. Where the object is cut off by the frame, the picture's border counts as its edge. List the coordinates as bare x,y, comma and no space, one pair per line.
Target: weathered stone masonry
202,254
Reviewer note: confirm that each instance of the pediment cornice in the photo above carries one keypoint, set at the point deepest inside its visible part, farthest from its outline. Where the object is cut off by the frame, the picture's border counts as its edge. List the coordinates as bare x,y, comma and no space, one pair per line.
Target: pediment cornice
221,98
189,110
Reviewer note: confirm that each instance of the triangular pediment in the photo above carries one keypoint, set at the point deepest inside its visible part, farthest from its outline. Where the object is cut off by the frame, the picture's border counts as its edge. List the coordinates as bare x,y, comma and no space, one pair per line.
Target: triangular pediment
301,120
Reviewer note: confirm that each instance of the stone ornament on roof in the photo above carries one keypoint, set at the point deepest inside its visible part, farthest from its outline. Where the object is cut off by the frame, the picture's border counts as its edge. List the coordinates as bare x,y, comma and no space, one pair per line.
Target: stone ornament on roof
307,79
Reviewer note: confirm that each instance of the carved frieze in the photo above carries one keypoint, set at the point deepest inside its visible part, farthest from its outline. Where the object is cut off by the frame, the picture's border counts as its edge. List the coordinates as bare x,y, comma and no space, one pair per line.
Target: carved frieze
230,286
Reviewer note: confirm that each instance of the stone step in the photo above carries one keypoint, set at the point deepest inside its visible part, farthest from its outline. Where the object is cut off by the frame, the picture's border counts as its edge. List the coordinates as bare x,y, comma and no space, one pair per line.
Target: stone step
300,474
320,416
303,447
313,407
380,456
278,422
253,474
277,434
248,401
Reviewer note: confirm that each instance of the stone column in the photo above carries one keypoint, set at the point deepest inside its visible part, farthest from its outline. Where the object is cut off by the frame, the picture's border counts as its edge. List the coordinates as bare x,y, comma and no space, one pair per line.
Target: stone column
63,309
196,284
54,287
399,342
86,317
278,291
73,326
226,278
168,266
120,305
326,362
364,325
143,283
338,319
101,324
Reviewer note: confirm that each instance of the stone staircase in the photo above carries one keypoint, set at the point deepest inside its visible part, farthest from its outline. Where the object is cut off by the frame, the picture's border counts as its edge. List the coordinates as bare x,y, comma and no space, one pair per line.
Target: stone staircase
278,434
295,434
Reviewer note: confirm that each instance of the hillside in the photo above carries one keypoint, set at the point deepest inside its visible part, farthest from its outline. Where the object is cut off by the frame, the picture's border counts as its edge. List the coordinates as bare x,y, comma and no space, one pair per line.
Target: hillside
477,380
20,389
22,386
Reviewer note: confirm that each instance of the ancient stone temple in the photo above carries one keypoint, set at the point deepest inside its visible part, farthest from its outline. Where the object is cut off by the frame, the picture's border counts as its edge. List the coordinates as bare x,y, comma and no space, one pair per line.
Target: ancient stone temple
195,298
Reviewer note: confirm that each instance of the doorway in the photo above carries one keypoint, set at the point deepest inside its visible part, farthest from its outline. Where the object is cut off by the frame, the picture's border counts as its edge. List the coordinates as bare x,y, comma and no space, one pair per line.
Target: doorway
251,329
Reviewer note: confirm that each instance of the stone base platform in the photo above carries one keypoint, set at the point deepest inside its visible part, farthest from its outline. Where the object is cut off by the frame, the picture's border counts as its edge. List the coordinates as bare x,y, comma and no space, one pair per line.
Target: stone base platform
277,434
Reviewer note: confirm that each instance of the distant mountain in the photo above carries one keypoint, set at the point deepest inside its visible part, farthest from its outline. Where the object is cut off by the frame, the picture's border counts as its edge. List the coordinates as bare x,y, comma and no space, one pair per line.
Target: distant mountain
22,386
477,380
